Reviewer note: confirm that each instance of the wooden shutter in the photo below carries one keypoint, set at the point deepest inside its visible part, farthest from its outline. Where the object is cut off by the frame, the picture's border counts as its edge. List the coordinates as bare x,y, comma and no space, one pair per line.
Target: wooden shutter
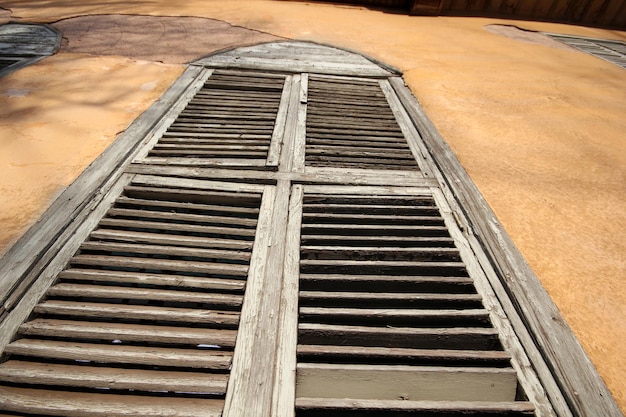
261,254
390,321
144,317
229,122
610,50
24,44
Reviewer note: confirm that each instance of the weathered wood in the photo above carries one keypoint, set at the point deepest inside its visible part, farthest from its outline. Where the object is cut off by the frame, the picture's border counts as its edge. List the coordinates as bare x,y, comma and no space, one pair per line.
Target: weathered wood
175,240
403,337
166,250
25,44
389,316
408,356
283,398
77,404
252,375
412,383
221,231
178,281
296,57
534,316
476,408
19,372
213,318
278,134
109,292
160,264
33,285
124,354
373,283
128,332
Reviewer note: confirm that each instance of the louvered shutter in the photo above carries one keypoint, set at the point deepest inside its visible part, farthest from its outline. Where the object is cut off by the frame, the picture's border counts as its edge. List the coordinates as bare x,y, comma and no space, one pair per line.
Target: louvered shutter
24,44
281,245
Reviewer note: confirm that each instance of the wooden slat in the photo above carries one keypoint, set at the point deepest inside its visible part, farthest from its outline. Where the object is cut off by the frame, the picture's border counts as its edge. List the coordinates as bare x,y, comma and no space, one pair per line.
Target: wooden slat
397,297
173,251
465,408
376,354
382,253
413,383
129,293
76,404
138,312
160,264
381,267
221,231
172,240
414,317
128,332
404,337
19,372
374,283
122,354
178,281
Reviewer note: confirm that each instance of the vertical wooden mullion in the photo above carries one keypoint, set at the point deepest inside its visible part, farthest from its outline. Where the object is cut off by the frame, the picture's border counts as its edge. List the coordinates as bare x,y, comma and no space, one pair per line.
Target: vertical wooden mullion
299,150
283,403
273,154
286,155
254,360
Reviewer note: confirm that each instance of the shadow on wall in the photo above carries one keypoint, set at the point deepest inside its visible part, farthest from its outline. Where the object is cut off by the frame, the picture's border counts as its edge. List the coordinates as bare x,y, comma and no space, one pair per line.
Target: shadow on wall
170,40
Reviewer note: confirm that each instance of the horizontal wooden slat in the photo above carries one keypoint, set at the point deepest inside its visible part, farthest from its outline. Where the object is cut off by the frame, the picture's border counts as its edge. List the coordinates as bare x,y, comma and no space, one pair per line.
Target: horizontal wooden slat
380,298
179,281
130,293
187,206
391,218
381,267
413,383
138,312
388,316
160,264
220,231
173,240
128,332
76,404
122,354
20,372
376,354
379,253
173,251
381,241
182,217
374,283
366,229
405,337
430,408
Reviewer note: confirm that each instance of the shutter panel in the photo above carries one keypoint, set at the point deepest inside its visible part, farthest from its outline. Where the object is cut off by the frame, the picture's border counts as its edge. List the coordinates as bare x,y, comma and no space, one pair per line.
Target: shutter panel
389,317
610,50
350,125
229,122
25,44
144,318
